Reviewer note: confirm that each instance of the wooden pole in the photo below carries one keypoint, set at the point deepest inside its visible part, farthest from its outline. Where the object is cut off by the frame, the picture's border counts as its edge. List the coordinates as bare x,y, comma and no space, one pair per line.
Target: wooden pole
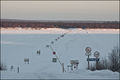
62,64
63,67
58,59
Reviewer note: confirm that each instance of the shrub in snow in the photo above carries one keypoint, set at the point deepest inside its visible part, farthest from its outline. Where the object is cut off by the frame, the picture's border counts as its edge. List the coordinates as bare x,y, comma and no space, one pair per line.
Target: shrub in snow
102,65
114,58
92,67
113,64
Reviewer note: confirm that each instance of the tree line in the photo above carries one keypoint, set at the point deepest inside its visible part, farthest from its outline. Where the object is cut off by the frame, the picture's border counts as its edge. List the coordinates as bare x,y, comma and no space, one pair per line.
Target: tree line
58,24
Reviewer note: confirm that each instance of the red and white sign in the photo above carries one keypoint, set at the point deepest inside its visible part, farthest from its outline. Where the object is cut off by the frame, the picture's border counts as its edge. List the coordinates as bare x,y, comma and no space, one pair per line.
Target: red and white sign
54,52
88,51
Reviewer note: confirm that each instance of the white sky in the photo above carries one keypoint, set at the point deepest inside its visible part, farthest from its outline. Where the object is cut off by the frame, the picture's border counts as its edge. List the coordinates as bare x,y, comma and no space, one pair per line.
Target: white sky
60,10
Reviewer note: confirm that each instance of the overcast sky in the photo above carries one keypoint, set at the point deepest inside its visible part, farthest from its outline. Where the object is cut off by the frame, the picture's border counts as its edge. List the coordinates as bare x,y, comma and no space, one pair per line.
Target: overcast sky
60,10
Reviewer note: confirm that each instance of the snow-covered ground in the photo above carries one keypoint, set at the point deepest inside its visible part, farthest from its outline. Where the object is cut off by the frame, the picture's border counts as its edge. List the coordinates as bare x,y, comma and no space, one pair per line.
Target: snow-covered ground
19,44
57,31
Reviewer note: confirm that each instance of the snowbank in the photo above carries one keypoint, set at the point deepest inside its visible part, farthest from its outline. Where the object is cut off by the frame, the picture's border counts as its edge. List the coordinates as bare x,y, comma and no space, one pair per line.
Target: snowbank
57,31
104,74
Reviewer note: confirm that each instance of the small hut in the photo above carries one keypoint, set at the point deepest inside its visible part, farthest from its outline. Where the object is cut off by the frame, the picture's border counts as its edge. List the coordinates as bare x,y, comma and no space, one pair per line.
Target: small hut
74,64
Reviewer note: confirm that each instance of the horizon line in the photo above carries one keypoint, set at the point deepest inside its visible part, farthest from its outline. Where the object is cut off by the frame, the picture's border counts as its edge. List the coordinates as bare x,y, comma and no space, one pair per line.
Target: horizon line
60,20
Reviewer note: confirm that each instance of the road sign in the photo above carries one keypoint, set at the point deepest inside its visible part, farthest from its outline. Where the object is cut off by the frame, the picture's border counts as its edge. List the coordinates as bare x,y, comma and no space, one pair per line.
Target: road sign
87,54
54,52
88,50
54,59
96,54
92,59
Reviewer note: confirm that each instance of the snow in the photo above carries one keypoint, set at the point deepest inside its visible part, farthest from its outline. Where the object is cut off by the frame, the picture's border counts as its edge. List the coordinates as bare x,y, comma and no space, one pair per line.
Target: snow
105,74
15,46
57,31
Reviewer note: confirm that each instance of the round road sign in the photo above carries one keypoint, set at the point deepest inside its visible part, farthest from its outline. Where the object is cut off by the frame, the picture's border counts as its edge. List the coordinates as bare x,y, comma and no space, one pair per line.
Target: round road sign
88,54
54,52
88,49
96,54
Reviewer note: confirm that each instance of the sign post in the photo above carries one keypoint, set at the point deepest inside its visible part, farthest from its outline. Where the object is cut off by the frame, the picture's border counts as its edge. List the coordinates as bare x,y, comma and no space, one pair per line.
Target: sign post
96,54
88,53
17,69
62,64
54,53
88,62
63,67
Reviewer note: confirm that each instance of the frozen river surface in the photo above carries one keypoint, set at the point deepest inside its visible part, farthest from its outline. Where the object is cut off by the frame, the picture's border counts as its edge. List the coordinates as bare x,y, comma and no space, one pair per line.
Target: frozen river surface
16,47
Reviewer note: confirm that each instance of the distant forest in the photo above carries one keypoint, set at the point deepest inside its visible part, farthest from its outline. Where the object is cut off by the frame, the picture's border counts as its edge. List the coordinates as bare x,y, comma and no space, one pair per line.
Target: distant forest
12,23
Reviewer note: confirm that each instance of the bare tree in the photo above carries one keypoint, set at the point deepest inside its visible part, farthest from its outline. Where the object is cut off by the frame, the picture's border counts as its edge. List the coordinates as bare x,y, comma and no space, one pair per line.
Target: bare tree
114,58
112,63
102,65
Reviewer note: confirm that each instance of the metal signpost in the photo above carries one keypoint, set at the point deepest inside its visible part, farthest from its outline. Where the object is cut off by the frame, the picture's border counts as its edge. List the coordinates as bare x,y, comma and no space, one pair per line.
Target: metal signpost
96,54
88,53
54,53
